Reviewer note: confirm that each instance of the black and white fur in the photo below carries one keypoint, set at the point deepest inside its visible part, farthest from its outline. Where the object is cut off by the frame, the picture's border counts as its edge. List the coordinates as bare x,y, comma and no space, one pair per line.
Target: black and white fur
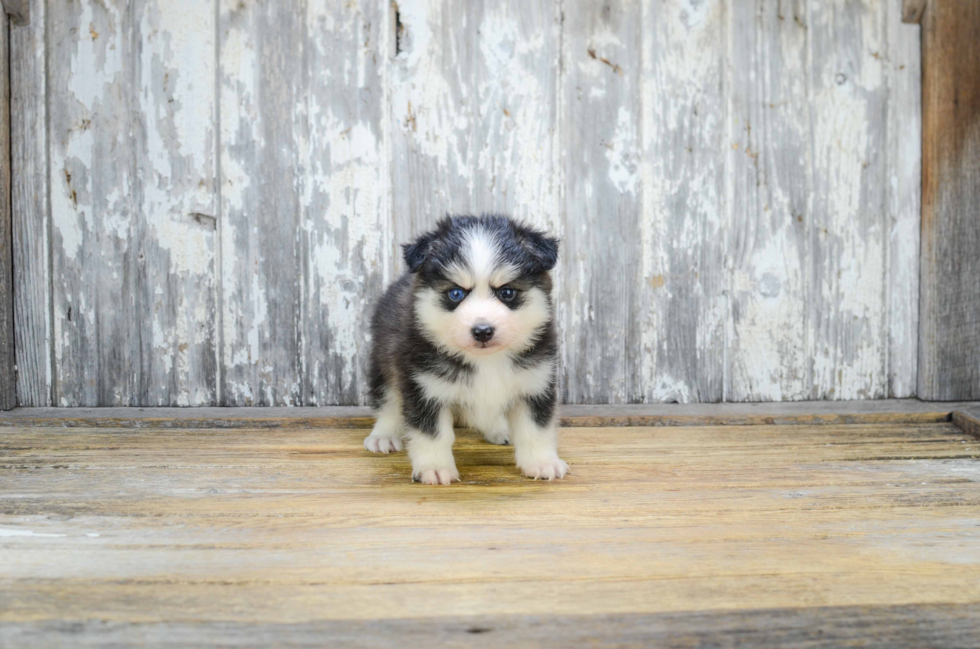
488,360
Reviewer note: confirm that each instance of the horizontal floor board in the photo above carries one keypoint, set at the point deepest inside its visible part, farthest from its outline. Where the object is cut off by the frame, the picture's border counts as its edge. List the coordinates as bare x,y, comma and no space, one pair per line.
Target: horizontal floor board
121,531
951,626
699,414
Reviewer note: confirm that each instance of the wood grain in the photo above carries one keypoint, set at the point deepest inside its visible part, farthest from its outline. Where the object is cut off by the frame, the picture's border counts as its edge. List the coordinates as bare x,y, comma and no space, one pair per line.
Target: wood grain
132,170
297,527
19,11
770,211
949,329
968,421
31,223
262,86
904,182
474,113
346,239
720,414
735,187
177,164
683,288
847,312
305,224
601,152
8,361
912,10
94,203
951,626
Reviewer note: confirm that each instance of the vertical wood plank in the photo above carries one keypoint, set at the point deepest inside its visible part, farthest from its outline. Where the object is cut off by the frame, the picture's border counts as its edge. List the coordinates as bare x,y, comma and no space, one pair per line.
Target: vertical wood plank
904,168
912,10
949,316
847,310
8,371
681,291
131,89
94,203
602,197
177,210
345,238
29,191
261,59
305,215
474,112
768,239
18,11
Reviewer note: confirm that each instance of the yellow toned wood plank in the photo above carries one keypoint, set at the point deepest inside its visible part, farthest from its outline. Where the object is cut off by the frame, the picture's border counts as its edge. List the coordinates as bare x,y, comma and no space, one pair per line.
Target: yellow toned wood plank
294,525
153,601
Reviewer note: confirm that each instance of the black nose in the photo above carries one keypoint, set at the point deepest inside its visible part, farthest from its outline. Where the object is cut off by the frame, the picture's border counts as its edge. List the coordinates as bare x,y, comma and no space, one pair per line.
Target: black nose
482,332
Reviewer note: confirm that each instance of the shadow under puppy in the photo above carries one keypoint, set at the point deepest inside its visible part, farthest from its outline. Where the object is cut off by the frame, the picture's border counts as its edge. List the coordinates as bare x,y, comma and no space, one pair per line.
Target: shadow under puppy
468,333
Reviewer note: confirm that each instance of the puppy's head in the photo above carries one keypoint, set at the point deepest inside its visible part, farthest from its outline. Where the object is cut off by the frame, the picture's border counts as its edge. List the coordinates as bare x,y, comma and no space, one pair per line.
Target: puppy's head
482,283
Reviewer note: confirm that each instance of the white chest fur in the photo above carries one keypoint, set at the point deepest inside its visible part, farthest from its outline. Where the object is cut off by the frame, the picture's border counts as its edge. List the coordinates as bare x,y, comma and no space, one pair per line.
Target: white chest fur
492,387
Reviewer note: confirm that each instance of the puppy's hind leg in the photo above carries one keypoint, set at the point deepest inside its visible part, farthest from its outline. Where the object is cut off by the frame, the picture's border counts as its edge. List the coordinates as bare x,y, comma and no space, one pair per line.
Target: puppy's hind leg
386,436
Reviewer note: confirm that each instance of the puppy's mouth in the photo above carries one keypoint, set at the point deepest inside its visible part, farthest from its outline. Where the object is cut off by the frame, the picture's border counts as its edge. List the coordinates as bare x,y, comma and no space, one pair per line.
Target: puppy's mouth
489,346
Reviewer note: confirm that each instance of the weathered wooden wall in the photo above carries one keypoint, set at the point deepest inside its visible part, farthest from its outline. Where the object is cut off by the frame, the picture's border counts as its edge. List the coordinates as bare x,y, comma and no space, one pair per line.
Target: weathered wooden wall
8,374
949,338
209,195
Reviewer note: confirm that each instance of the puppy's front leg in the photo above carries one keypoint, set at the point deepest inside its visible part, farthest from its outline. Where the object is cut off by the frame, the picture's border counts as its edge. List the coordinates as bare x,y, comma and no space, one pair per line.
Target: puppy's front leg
431,452
536,443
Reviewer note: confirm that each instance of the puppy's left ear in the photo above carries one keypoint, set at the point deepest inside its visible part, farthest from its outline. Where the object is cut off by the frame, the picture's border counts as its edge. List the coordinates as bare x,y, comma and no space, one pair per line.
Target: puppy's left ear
416,252
542,248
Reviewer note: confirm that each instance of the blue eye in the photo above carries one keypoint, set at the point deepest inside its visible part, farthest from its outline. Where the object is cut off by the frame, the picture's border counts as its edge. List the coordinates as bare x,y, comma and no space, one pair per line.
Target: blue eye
507,294
456,294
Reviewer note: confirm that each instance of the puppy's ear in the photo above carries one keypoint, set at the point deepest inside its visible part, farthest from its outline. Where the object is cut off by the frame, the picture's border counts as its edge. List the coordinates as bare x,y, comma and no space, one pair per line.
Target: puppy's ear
416,252
542,248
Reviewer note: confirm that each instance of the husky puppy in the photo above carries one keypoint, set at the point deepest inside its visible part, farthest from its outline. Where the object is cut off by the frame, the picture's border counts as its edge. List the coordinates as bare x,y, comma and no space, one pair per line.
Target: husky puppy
468,333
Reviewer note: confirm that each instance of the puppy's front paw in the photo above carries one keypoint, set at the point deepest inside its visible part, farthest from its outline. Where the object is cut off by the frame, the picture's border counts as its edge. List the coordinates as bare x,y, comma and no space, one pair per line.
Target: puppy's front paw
382,444
501,437
443,476
545,469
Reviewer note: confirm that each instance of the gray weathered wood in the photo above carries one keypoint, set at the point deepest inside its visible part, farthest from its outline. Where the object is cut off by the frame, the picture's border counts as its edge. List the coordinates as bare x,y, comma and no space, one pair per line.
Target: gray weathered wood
176,162
903,169
261,59
131,165
656,414
847,303
31,225
912,10
474,112
683,286
18,10
601,201
8,367
735,188
950,626
95,236
968,420
304,228
949,324
346,240
770,213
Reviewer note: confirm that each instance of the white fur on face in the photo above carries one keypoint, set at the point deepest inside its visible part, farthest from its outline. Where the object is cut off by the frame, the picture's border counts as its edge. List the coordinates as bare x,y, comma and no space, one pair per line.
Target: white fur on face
481,274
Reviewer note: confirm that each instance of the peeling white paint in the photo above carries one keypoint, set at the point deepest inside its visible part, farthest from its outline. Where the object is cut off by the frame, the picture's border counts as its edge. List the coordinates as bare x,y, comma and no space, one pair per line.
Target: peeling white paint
472,115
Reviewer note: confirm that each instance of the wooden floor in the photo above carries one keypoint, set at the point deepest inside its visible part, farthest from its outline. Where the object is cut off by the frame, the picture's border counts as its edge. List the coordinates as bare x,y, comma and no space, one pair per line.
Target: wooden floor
795,535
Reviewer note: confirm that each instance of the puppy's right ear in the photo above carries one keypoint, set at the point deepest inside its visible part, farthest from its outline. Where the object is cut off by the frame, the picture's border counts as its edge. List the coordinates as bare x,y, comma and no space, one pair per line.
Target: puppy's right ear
416,252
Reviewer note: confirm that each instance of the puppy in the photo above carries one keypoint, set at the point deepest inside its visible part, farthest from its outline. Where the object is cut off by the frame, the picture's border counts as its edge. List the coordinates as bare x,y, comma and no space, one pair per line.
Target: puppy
468,333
